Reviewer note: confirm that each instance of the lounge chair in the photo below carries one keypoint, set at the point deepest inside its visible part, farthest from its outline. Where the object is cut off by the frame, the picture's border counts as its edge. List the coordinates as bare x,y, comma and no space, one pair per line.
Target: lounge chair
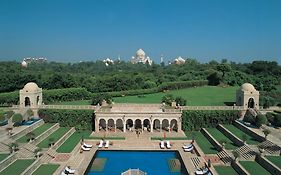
63,173
168,145
162,144
202,172
187,146
188,149
69,171
106,144
85,149
101,144
87,145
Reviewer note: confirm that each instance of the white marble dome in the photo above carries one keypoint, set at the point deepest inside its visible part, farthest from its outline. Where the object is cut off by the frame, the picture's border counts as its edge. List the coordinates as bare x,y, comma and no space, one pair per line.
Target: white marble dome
31,87
24,64
140,52
248,87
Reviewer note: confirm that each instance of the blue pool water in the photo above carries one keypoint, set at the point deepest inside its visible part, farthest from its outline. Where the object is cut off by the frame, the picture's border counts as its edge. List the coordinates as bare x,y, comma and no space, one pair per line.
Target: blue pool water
151,162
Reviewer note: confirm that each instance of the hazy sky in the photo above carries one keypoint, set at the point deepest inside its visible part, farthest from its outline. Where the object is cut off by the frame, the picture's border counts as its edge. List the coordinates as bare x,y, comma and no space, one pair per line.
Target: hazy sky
74,30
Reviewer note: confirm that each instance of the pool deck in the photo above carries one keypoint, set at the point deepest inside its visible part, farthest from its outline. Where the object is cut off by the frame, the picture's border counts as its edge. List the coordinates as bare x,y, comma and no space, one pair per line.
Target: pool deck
143,142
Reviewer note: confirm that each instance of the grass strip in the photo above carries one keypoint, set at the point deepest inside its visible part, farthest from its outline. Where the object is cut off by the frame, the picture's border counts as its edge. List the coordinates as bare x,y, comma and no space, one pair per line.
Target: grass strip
254,168
202,141
73,140
238,133
55,135
220,136
3,156
39,130
46,169
275,160
17,167
225,170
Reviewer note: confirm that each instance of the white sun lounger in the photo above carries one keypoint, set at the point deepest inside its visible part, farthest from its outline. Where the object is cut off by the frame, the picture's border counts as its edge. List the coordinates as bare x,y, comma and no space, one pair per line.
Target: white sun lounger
168,145
85,149
63,173
87,145
187,146
70,171
106,144
101,144
202,172
162,144
188,149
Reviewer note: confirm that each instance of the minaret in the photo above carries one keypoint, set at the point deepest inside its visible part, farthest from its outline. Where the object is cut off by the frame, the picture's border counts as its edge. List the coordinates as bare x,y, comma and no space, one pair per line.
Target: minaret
161,59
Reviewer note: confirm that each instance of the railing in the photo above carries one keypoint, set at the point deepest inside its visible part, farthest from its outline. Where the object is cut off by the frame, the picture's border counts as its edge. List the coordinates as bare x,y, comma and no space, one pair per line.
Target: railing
82,107
211,108
134,172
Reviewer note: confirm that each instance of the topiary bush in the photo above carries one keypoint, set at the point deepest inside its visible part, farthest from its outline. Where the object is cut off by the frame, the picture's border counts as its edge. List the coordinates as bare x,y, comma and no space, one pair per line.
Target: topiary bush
17,118
249,118
277,120
260,120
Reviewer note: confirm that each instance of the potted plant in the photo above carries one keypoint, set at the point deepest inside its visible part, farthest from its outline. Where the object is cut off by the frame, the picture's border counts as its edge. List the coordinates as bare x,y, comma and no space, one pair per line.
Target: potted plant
37,152
13,147
236,155
266,132
51,141
30,136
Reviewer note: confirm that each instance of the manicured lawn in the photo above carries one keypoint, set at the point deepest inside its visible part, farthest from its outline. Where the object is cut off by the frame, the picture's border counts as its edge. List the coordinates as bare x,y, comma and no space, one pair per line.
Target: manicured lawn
200,96
55,135
220,136
254,168
17,167
238,133
3,156
275,159
73,140
203,142
36,131
46,169
225,170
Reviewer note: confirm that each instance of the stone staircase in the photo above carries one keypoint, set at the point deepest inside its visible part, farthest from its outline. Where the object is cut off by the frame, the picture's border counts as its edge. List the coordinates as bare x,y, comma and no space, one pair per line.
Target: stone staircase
51,152
4,147
224,156
45,158
246,152
24,153
30,147
196,161
76,160
270,147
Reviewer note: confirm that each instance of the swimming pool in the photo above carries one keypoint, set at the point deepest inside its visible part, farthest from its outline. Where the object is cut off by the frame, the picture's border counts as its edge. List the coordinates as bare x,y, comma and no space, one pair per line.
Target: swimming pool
151,162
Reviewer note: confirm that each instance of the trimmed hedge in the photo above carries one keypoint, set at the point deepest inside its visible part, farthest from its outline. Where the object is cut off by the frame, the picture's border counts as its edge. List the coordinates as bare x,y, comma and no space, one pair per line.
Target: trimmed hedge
9,98
181,84
80,119
195,120
17,118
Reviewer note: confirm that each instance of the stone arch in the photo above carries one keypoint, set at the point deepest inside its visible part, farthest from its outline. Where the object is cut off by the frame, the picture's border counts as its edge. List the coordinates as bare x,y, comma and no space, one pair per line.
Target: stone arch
119,124
251,103
156,124
165,124
129,124
37,100
110,124
26,101
102,124
146,124
174,125
138,124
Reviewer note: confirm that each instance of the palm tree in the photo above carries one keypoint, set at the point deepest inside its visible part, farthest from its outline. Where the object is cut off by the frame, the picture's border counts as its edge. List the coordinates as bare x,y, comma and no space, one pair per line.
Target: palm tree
37,152
13,147
30,136
236,155
266,132
261,148
51,141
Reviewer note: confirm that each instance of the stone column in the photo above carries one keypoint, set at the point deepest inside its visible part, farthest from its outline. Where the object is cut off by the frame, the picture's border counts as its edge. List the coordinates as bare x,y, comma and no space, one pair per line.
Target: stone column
124,126
160,127
97,126
115,127
142,123
179,125
169,126
106,126
151,126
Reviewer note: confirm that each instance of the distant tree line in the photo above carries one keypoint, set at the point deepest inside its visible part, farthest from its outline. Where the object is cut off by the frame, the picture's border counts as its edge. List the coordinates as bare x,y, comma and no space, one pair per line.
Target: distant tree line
126,78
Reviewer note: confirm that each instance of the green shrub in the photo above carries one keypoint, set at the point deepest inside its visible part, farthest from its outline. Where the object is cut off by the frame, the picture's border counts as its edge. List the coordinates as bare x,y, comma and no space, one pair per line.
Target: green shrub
248,117
98,98
17,118
168,99
260,120
195,120
80,119
277,120
182,84
180,101
9,98
270,117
